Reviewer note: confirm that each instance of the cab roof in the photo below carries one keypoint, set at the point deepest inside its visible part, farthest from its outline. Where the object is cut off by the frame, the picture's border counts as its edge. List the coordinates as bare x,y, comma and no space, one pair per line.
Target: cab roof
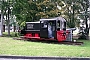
50,19
56,18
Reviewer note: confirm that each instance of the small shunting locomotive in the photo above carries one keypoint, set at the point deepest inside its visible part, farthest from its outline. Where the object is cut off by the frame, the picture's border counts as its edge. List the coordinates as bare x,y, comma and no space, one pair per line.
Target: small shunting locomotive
47,29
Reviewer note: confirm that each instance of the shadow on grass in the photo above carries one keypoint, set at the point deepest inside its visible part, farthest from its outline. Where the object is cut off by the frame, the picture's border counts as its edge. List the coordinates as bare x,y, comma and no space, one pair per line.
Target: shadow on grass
44,41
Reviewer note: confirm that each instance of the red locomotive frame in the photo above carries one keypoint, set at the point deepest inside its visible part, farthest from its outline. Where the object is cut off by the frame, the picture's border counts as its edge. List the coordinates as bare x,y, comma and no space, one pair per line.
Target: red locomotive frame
39,30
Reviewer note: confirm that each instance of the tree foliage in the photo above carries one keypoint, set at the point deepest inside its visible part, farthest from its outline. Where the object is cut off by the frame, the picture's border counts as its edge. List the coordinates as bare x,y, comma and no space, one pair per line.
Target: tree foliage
33,10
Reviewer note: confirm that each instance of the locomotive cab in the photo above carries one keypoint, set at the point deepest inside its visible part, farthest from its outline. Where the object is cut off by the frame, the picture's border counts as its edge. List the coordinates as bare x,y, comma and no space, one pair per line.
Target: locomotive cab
54,28
48,29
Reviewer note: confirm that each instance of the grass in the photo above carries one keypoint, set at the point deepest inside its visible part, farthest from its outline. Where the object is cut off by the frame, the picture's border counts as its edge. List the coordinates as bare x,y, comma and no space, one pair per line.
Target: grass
12,34
8,46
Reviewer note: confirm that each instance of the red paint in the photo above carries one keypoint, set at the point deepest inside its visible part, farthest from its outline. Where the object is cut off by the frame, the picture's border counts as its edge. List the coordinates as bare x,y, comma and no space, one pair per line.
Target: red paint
61,36
29,35
36,35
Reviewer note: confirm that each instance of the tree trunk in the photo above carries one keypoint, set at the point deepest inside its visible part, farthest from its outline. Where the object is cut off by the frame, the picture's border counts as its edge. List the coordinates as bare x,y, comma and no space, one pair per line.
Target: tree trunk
87,30
14,28
89,21
8,22
3,28
1,22
86,22
89,33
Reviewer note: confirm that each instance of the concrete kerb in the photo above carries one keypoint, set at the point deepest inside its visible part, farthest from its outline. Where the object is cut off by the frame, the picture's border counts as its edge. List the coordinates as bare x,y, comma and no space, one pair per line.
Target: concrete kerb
44,57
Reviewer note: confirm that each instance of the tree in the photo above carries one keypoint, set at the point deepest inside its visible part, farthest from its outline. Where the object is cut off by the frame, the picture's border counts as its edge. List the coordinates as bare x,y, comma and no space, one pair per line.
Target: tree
5,8
85,16
33,10
2,8
21,10
9,5
71,9
1,16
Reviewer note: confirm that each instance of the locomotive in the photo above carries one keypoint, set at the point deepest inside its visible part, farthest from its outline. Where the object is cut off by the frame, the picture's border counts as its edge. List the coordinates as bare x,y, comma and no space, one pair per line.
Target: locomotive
53,29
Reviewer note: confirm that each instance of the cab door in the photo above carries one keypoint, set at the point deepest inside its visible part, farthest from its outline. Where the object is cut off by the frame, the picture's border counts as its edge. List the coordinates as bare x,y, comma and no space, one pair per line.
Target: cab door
53,25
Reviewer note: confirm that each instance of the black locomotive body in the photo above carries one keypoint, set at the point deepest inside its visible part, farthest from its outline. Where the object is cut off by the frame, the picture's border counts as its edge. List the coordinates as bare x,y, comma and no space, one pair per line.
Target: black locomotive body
40,30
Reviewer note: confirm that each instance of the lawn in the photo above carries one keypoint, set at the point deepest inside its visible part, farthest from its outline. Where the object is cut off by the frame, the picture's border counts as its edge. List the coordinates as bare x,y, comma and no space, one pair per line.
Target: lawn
8,46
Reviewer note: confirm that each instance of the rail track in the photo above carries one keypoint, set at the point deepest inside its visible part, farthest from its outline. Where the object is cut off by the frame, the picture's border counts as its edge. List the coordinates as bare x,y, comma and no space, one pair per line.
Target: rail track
53,42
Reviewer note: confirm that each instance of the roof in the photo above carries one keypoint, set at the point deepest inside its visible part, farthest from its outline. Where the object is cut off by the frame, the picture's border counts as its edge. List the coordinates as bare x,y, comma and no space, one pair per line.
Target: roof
56,18
34,22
